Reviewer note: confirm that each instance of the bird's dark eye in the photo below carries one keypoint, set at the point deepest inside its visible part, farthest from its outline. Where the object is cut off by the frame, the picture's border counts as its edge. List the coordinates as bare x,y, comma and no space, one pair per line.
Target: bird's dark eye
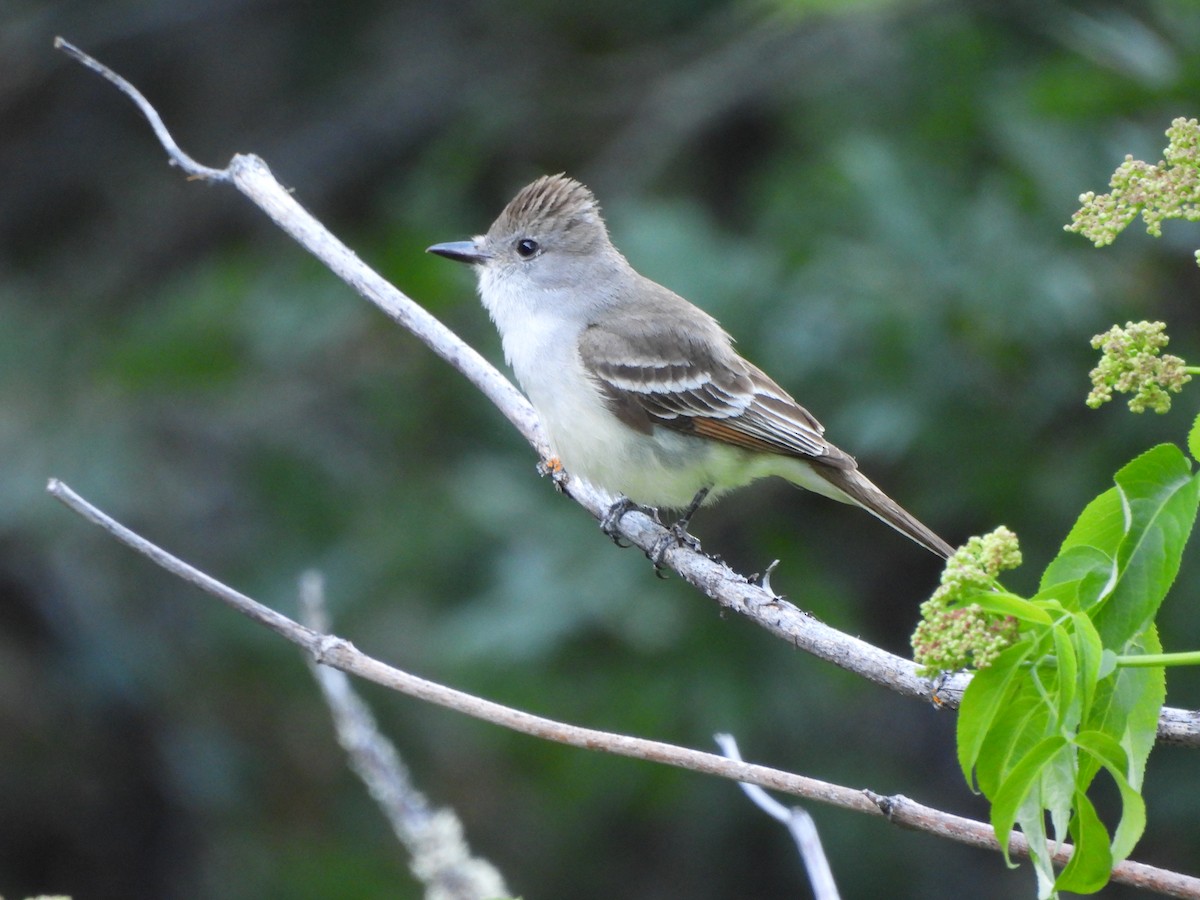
526,247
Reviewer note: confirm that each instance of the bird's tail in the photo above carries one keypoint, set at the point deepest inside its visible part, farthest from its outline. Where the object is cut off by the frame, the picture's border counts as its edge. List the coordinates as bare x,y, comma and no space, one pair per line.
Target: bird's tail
858,489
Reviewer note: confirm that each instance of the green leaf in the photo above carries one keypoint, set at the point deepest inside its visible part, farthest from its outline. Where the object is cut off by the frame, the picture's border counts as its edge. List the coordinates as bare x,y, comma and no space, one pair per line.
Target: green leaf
1078,577
1193,439
1108,753
1161,498
1128,703
1105,750
1054,710
1066,683
1133,822
1022,722
1057,789
1101,525
1033,825
1090,652
1091,862
1005,604
1017,787
983,699
1108,664
1141,693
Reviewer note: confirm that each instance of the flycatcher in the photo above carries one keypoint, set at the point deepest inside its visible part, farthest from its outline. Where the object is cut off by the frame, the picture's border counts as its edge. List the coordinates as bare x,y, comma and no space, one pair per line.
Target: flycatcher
640,392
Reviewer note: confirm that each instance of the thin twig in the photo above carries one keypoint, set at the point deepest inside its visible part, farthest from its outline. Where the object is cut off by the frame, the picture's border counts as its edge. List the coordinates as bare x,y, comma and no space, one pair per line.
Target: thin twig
341,654
730,589
439,855
800,826
176,154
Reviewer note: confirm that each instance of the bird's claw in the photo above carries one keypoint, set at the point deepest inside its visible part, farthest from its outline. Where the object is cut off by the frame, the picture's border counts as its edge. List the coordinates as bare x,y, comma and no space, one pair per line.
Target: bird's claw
610,522
676,536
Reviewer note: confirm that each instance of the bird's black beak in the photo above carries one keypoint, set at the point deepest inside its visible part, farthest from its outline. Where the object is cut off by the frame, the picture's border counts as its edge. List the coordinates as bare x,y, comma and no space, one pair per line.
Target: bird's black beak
461,251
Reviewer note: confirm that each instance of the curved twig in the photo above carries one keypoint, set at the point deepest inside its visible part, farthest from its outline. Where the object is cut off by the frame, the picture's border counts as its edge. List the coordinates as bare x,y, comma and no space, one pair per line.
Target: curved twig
341,654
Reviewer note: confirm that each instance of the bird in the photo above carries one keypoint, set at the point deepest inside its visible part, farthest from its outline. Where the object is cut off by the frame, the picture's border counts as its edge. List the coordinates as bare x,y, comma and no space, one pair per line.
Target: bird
642,393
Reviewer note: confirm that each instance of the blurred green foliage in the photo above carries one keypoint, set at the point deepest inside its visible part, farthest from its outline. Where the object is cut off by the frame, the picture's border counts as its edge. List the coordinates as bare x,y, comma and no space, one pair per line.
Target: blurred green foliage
870,196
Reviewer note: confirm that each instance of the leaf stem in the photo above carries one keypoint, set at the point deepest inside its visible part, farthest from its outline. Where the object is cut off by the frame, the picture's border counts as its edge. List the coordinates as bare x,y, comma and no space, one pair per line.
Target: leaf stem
1188,658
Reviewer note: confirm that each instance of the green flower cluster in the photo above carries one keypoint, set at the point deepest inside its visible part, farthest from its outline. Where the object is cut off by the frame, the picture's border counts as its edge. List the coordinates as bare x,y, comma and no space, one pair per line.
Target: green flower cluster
1133,363
955,633
1169,190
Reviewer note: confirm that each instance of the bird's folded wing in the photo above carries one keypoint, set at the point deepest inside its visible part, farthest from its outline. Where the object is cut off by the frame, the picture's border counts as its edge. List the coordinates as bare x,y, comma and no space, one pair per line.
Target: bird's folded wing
653,373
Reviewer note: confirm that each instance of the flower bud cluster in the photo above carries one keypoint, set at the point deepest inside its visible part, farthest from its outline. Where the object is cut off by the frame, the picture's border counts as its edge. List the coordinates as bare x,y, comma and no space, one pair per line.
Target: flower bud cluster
1169,190
953,633
1133,363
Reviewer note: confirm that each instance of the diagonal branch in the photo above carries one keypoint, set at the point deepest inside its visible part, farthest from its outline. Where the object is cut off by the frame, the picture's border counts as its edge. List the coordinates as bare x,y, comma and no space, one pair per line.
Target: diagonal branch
731,590
439,855
341,654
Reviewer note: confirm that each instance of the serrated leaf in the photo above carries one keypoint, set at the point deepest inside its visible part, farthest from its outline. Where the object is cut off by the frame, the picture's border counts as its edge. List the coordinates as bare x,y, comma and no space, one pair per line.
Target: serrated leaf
1193,439
1101,525
1090,653
1022,722
1104,750
1066,685
1078,577
1015,790
1127,705
1126,708
984,697
1091,862
1141,693
1160,497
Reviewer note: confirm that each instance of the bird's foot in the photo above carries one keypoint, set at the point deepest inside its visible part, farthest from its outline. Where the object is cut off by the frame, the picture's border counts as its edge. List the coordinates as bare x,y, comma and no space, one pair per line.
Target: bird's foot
677,534
553,468
610,522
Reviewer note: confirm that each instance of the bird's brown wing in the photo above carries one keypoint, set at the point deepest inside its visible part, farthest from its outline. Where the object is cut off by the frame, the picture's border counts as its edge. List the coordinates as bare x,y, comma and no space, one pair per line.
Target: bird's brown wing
655,373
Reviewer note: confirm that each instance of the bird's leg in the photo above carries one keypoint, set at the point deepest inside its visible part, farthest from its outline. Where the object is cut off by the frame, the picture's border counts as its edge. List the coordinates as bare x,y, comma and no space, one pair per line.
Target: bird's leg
683,521
611,520
677,534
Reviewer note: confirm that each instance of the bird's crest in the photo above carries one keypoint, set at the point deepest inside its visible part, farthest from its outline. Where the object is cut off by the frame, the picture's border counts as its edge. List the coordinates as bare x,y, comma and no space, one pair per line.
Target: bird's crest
553,203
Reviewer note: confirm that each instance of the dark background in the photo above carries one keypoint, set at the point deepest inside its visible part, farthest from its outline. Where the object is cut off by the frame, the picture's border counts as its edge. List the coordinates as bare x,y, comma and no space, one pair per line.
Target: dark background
870,196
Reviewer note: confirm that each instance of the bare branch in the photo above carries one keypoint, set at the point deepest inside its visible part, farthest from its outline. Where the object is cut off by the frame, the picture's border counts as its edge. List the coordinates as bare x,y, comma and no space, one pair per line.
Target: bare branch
730,589
177,156
341,654
799,824
439,856
252,177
